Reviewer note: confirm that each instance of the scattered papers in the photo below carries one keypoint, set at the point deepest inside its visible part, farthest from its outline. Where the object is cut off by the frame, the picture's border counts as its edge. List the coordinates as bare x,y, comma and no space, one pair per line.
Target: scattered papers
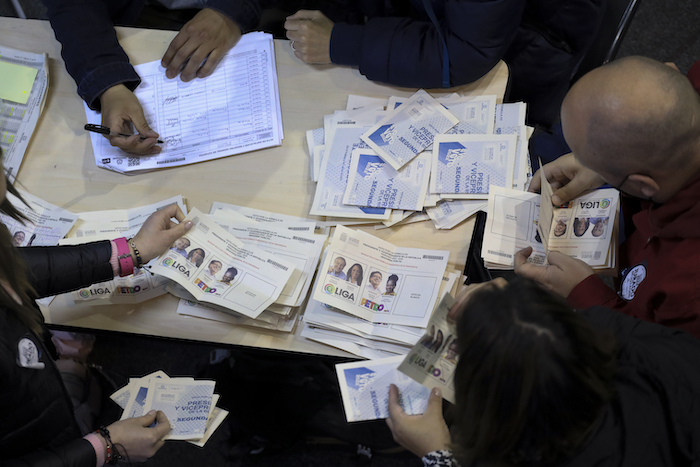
22,99
189,404
47,223
235,110
364,387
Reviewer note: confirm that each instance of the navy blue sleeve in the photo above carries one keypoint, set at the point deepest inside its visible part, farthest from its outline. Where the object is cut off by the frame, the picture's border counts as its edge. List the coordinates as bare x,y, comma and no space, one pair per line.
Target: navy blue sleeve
407,52
93,56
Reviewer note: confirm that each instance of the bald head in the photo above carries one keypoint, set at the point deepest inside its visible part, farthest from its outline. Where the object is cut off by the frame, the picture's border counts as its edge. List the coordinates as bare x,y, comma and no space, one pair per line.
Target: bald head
634,116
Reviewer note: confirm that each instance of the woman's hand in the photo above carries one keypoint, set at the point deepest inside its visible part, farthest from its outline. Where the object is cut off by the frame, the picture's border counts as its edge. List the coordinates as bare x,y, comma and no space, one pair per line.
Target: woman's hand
159,232
137,438
420,434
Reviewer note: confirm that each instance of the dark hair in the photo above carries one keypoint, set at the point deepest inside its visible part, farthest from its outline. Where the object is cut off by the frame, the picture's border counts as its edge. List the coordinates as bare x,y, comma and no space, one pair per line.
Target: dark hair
437,343
14,270
531,379
348,275
191,254
233,270
585,222
375,272
394,278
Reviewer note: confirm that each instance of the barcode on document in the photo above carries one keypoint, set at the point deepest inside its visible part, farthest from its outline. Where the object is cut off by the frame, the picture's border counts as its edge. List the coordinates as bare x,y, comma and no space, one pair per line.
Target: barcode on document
133,161
277,265
500,253
353,241
302,239
596,255
433,257
298,228
169,161
63,219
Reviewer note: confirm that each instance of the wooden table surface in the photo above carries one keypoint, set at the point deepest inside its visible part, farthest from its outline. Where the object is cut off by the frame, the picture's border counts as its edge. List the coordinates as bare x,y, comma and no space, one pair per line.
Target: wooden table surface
59,167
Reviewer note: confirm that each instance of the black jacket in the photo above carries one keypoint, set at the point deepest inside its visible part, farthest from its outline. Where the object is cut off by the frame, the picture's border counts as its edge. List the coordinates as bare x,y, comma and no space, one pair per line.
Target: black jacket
37,426
542,41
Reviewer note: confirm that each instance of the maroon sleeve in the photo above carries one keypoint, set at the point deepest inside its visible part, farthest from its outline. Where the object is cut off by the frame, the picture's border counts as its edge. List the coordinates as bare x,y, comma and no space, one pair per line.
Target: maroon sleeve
694,75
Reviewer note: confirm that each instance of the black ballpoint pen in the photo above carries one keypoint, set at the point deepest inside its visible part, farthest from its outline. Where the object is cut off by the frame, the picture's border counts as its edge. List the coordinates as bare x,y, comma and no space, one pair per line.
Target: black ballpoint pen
103,130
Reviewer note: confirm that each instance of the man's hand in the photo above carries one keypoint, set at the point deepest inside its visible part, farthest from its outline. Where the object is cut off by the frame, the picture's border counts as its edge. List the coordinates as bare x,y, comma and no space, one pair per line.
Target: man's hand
135,436
158,233
120,110
569,179
310,33
420,434
209,35
562,275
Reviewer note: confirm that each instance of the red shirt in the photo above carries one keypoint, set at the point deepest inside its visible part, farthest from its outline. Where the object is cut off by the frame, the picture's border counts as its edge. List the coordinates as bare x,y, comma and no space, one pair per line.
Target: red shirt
660,281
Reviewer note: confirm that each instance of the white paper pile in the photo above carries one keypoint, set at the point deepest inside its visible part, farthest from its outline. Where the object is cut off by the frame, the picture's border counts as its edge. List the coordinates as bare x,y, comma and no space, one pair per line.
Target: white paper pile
189,404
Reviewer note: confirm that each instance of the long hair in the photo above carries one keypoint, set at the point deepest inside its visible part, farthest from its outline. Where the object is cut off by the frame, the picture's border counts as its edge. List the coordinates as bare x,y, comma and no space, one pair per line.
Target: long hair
532,377
348,276
13,270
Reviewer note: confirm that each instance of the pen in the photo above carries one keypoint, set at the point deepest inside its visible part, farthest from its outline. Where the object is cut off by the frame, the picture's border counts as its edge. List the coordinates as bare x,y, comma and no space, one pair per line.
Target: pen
103,130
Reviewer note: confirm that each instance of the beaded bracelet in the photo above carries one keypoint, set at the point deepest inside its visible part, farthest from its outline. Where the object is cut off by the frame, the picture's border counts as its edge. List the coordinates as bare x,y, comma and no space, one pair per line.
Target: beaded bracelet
112,456
139,261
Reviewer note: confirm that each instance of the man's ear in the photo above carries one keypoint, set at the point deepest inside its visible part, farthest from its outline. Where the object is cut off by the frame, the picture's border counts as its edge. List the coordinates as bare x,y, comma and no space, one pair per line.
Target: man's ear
645,185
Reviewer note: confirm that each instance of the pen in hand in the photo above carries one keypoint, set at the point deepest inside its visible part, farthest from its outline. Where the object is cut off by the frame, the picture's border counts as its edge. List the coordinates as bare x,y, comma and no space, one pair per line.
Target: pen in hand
103,130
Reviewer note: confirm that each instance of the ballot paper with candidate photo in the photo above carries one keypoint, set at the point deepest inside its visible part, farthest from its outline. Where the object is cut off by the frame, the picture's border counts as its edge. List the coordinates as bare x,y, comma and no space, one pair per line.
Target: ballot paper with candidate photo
364,387
432,361
377,281
300,224
248,281
511,226
465,166
375,183
409,129
187,405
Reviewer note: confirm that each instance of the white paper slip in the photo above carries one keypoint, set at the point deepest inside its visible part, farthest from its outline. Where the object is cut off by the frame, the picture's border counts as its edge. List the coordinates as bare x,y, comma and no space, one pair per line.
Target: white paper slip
121,396
409,129
375,183
235,110
47,223
379,282
364,387
247,281
476,115
186,404
363,102
217,416
447,214
466,165
138,388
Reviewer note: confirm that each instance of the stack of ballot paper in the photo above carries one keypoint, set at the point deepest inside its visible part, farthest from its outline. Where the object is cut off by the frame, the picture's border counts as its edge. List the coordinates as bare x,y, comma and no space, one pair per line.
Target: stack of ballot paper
421,158
374,299
585,228
235,110
243,266
189,404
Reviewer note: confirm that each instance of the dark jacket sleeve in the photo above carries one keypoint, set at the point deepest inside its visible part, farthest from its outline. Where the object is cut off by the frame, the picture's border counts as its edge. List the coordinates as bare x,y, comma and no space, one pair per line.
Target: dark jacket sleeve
58,269
93,56
77,453
407,52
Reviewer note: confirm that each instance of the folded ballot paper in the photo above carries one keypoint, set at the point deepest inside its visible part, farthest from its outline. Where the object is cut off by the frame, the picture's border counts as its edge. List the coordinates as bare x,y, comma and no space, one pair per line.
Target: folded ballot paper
410,159
585,228
108,225
364,388
189,404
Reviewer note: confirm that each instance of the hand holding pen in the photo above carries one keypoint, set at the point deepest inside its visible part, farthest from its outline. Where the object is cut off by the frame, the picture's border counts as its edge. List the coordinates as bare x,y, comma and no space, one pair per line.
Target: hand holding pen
121,111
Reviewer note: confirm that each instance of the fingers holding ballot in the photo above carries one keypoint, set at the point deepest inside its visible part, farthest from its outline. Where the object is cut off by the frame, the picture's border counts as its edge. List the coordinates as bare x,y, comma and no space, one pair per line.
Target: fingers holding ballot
561,275
420,434
159,232
137,437
122,113
568,178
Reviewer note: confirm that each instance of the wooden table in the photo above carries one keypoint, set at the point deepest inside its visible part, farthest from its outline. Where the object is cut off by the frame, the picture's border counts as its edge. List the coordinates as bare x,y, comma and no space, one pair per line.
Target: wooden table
59,167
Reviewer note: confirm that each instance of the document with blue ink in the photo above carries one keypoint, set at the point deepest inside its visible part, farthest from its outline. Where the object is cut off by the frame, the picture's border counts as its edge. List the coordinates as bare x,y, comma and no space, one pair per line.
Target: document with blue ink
465,166
409,129
364,387
374,183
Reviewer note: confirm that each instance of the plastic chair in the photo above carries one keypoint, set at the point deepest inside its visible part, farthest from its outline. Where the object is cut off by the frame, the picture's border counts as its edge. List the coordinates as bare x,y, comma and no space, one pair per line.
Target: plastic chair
618,16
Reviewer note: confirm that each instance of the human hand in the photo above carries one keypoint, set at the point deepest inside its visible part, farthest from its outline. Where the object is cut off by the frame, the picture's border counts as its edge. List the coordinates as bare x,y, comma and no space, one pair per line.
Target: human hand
465,294
158,233
569,179
561,276
420,434
310,33
121,109
209,35
138,440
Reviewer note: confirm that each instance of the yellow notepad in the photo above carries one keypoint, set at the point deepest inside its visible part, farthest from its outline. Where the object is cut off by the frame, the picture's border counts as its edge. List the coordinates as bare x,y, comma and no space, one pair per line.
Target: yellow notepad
16,82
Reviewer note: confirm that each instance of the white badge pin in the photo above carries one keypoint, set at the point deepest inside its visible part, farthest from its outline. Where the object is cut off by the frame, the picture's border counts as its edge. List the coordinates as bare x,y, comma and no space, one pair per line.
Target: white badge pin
28,355
632,280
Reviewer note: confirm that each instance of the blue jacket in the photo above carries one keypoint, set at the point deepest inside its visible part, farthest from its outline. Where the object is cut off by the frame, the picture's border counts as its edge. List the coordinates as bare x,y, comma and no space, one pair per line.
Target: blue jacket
542,41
